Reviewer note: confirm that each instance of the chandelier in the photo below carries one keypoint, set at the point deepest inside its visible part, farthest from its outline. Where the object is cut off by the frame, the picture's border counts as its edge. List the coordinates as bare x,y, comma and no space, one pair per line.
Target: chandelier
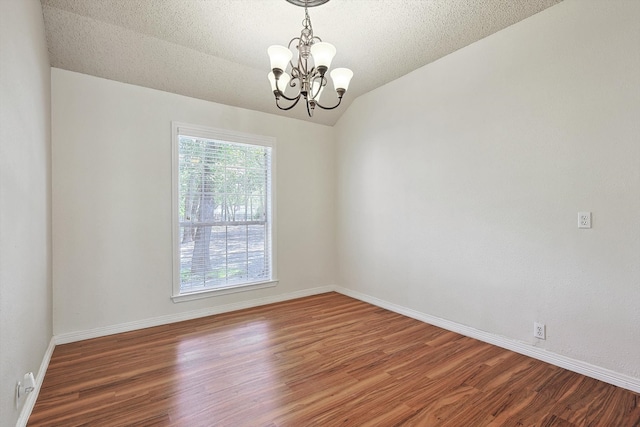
308,74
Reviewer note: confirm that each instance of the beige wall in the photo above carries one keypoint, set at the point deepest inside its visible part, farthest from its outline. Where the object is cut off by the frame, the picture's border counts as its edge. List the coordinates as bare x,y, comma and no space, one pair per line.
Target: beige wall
459,185
25,198
112,250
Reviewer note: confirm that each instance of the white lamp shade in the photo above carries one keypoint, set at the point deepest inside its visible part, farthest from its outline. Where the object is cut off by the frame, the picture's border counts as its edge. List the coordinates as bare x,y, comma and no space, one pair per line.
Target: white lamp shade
323,54
283,81
341,78
279,56
316,89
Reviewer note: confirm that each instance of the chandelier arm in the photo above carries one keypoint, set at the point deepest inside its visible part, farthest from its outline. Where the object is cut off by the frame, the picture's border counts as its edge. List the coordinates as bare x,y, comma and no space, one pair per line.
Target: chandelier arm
281,93
299,65
290,106
302,68
292,40
295,98
323,82
330,108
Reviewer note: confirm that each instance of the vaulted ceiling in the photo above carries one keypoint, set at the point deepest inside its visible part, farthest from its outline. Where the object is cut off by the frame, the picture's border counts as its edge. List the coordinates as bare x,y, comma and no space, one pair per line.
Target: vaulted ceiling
217,49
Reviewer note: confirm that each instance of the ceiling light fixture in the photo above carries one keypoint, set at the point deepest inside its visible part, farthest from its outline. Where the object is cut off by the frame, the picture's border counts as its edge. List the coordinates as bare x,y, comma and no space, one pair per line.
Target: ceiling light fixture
310,76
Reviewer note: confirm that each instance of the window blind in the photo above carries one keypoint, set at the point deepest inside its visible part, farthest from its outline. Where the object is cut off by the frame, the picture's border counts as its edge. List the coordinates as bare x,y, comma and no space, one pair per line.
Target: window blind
224,212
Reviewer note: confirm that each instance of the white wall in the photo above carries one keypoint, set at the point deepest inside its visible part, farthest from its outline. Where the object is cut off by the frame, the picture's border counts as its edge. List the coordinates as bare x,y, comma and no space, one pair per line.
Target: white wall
459,185
112,250
25,198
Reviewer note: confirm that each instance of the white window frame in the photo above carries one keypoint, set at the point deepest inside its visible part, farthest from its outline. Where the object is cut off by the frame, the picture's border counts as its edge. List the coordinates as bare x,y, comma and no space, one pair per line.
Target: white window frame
178,128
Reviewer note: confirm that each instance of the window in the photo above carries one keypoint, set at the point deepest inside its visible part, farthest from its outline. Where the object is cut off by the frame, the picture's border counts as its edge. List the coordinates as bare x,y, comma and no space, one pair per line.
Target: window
223,219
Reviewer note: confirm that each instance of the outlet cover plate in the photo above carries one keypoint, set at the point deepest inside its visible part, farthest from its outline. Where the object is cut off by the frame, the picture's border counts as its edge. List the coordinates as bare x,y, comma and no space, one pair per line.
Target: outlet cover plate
584,219
539,330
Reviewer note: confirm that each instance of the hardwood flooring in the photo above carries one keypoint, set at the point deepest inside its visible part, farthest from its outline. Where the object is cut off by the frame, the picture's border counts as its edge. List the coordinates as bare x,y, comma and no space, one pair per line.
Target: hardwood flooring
325,360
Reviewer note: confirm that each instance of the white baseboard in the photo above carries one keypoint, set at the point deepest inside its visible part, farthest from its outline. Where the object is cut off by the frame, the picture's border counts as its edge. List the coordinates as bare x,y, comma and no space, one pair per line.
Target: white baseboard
179,317
30,401
584,368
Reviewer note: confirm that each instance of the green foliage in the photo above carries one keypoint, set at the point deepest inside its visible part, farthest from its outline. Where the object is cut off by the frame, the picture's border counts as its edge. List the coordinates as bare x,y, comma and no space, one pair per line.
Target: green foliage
233,175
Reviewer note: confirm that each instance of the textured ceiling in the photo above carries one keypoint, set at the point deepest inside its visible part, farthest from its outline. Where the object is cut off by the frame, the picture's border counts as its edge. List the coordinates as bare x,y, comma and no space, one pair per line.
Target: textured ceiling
216,49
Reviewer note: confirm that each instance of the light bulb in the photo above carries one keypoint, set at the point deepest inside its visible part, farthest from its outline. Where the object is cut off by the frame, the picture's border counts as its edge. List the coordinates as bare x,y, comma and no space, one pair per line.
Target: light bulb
279,56
283,81
316,90
341,78
323,54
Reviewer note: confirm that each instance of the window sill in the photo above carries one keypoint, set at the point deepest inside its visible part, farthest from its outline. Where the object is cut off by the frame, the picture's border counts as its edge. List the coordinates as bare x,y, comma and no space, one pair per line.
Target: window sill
208,293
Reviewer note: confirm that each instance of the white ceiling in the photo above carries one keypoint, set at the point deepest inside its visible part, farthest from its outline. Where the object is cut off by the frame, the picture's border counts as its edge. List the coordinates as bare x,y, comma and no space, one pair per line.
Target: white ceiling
216,49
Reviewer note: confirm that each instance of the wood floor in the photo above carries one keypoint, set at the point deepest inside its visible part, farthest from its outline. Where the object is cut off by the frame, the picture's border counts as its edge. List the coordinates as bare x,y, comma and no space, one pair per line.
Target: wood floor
326,360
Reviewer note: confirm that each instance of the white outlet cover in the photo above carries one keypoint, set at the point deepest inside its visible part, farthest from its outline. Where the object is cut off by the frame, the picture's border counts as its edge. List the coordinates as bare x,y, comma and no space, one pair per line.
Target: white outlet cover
584,219
539,331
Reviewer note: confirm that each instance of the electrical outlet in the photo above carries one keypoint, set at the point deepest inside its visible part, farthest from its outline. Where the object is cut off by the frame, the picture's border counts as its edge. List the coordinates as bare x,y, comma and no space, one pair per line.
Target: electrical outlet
539,331
584,219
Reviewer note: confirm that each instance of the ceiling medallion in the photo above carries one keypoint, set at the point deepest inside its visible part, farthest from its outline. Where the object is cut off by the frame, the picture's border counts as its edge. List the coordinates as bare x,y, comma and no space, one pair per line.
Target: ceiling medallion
308,73
308,3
